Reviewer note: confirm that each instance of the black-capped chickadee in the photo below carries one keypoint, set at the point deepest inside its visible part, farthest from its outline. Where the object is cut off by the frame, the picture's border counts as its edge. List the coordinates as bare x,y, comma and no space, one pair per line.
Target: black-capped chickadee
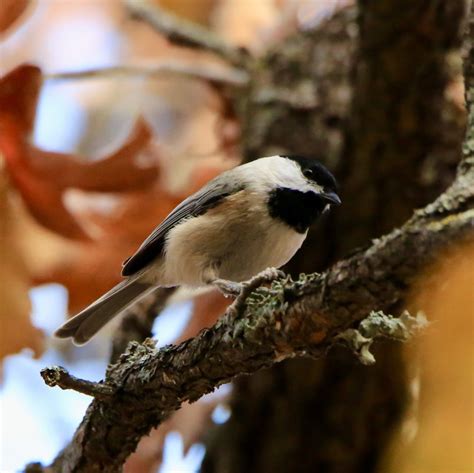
245,220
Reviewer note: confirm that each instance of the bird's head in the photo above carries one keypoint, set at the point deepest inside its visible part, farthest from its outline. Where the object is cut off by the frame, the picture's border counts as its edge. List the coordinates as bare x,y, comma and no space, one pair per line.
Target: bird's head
318,178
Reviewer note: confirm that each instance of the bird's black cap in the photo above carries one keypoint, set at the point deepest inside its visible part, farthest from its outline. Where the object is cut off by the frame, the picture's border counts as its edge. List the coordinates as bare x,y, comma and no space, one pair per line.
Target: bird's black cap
315,171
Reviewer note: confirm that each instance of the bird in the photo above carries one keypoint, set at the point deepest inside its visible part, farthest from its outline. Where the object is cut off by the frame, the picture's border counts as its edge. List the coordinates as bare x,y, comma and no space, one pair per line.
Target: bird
242,225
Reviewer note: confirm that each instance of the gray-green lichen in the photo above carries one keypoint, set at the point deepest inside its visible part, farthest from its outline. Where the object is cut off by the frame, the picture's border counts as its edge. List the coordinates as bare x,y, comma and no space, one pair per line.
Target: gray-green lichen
380,325
273,299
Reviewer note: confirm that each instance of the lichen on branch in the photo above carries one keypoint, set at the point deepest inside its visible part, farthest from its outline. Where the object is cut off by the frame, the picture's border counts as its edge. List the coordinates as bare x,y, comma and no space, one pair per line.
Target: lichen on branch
378,324
290,318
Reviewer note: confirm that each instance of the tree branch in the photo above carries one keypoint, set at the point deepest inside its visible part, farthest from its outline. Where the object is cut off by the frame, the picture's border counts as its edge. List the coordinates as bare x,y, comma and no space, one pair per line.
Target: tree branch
291,318
376,325
468,148
59,376
184,33
209,72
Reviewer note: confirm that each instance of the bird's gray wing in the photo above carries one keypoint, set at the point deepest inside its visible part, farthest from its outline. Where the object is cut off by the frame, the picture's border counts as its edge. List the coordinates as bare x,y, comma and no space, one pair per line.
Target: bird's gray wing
207,197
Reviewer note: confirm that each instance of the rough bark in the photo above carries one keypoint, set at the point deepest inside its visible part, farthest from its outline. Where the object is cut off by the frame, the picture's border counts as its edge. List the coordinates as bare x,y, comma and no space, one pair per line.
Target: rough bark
337,413
291,318
402,141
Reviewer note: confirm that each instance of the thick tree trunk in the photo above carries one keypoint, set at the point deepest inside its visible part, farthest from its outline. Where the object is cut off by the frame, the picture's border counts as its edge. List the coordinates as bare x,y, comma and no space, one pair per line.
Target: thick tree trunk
394,147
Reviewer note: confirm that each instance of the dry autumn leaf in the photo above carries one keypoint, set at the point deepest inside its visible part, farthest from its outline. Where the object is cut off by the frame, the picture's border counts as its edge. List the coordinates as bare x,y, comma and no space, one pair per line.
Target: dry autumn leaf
10,11
19,91
41,177
439,425
198,11
118,172
16,330
44,202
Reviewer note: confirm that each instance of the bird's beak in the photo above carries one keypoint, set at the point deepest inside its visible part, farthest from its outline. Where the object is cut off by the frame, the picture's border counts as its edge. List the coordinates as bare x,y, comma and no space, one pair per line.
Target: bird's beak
332,198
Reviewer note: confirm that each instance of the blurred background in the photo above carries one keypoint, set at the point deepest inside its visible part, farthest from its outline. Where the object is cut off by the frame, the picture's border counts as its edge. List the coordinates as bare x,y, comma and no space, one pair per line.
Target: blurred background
93,157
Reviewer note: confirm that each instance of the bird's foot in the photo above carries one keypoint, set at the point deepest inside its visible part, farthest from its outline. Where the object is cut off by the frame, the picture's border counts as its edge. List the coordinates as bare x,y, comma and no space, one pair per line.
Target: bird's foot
242,290
228,288
267,275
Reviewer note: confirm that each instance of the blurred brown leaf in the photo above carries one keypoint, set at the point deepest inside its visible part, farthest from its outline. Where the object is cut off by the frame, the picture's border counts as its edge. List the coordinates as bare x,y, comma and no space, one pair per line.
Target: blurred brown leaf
19,92
41,177
198,11
16,330
438,432
42,200
10,11
118,172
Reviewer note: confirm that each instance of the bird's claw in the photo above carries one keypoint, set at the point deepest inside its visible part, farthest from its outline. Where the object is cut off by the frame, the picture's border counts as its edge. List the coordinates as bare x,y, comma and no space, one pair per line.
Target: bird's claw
242,290
228,288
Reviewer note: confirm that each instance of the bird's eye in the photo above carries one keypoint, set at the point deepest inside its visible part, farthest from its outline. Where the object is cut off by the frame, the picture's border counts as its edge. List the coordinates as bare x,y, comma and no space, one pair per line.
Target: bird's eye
308,173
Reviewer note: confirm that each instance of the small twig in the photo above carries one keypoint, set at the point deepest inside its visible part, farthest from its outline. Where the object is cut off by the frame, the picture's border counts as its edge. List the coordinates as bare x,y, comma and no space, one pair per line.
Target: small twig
209,72
184,33
59,376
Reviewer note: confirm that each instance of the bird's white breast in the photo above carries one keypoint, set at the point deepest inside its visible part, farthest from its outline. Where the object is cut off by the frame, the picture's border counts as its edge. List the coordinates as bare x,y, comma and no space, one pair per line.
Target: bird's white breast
238,237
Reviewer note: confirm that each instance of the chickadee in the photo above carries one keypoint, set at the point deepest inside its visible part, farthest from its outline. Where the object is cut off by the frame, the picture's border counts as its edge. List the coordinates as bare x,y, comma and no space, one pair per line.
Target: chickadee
245,220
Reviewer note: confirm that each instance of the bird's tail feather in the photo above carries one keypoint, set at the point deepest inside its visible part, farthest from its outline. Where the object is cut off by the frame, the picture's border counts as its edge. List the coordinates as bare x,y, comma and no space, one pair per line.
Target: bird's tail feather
83,326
